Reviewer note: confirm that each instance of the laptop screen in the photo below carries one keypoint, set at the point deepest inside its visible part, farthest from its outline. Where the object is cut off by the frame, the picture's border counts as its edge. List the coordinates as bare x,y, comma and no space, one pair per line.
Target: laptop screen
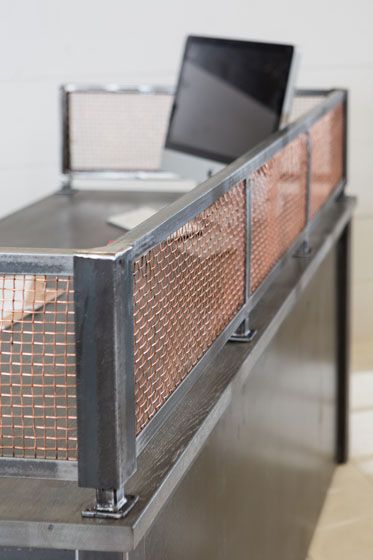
229,97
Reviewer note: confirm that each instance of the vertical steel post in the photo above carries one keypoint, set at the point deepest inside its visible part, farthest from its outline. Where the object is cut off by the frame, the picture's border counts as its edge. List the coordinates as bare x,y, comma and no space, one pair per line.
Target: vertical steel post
343,289
343,319
343,285
65,140
305,248
244,333
105,380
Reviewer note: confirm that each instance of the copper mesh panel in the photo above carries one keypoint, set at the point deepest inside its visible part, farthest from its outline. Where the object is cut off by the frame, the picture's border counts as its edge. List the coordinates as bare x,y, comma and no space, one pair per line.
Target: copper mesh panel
327,156
186,290
37,368
117,131
278,215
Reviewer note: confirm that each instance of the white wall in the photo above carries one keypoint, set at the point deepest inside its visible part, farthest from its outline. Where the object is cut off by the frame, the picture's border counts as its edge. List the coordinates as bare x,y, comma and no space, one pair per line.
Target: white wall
46,42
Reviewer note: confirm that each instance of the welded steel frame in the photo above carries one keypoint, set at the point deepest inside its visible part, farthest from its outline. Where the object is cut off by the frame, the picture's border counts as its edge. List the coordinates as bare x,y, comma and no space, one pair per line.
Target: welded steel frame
103,282
155,230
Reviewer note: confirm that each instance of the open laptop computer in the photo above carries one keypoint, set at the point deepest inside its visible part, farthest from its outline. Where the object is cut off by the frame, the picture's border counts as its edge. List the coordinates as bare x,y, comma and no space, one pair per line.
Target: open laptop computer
230,96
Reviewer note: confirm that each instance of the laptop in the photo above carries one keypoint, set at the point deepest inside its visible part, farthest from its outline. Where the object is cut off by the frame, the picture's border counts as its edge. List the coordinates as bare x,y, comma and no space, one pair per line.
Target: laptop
230,96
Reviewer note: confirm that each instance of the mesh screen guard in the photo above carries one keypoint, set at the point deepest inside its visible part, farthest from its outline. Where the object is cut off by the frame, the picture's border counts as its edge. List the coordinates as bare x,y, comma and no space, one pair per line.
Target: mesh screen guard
278,207
186,290
37,360
117,131
327,163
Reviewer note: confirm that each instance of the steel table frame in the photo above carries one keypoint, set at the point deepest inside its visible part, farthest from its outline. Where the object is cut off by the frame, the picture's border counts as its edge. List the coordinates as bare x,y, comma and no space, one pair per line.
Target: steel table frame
109,451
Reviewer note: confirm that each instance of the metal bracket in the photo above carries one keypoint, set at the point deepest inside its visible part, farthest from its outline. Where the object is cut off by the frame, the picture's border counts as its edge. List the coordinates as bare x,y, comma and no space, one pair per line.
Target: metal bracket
110,504
244,337
304,250
243,333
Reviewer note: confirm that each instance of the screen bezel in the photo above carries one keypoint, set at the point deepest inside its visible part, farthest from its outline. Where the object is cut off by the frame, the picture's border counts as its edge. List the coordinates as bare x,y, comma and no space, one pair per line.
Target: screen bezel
205,154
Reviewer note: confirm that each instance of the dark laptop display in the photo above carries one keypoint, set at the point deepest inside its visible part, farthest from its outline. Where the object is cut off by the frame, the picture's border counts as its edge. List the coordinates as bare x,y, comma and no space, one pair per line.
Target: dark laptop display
230,96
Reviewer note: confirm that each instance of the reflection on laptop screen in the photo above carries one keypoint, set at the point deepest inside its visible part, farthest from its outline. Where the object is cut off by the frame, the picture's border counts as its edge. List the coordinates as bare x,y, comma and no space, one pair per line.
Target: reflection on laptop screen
230,96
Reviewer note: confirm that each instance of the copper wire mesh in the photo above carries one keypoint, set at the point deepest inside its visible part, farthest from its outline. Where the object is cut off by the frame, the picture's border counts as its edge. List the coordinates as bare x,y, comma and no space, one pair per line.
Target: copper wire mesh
117,131
278,202
186,290
327,136
37,368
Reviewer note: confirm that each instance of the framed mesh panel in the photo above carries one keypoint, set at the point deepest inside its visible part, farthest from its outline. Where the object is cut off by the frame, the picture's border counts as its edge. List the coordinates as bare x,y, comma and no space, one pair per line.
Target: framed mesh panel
278,207
117,131
186,290
37,368
327,169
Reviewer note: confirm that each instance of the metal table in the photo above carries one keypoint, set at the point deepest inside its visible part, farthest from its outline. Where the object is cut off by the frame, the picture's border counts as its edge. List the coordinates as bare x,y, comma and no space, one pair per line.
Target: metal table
131,427
244,463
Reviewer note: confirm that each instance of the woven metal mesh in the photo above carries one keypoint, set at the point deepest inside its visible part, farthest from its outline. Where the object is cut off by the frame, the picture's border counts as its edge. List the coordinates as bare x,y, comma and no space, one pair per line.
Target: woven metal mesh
186,290
278,202
37,368
117,131
327,136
